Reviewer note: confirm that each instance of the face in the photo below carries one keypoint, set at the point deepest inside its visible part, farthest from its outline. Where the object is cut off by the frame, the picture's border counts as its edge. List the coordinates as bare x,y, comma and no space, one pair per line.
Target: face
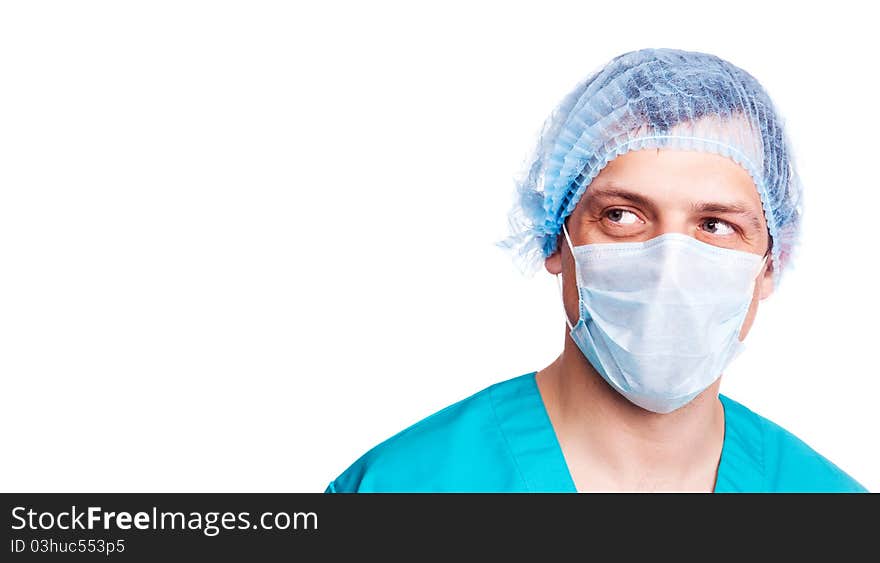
645,193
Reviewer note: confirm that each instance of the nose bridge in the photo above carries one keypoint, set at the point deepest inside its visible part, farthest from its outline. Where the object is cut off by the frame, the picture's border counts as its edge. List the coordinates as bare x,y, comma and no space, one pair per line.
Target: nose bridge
673,219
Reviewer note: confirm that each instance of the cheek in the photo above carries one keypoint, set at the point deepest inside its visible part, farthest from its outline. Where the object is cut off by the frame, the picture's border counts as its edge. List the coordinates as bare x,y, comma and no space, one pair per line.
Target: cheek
750,316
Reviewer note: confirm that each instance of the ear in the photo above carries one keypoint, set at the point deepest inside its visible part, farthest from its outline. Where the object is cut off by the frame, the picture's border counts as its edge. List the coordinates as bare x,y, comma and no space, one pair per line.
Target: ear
553,263
766,279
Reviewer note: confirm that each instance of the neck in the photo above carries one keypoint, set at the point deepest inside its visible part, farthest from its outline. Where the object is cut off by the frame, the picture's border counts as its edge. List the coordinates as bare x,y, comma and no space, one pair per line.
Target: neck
610,443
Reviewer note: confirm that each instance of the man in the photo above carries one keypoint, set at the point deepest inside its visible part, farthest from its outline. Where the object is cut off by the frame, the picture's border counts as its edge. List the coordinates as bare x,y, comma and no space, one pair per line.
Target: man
663,194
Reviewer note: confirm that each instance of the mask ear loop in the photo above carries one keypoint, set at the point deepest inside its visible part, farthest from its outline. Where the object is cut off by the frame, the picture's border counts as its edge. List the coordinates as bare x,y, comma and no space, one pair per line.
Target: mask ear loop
562,300
559,279
567,239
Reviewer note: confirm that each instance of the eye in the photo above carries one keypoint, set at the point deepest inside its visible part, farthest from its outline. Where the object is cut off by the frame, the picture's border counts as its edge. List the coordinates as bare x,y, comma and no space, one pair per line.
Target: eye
717,227
622,216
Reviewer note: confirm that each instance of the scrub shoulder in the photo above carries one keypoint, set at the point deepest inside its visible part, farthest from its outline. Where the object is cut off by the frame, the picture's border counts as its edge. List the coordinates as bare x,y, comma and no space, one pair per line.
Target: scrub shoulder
784,461
456,449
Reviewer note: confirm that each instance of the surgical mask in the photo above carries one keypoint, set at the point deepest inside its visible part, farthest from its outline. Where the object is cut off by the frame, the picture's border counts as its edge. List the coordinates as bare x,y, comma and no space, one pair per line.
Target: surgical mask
660,319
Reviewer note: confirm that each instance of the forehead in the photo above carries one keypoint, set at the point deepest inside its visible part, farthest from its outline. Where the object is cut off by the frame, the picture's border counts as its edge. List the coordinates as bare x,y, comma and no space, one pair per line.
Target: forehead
678,174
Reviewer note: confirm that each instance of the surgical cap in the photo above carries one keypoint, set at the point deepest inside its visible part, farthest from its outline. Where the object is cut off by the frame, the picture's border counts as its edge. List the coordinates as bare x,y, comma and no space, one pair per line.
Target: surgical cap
655,98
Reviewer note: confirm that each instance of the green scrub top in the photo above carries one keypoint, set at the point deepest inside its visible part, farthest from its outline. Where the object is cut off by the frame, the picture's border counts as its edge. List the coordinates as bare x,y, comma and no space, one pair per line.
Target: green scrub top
500,439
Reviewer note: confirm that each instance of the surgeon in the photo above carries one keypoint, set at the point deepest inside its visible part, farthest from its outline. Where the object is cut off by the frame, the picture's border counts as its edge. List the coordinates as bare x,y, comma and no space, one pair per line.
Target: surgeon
663,196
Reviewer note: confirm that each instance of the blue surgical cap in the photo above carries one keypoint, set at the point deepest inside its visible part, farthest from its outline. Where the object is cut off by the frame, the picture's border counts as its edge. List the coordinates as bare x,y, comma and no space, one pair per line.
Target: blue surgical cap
655,98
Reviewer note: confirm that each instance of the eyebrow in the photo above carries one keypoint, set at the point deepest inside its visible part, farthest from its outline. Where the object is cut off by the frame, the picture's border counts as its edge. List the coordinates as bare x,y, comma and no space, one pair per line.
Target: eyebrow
638,199
734,208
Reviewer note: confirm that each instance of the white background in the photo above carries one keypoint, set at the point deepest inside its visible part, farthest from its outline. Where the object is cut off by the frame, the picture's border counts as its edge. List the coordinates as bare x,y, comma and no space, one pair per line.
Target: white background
243,242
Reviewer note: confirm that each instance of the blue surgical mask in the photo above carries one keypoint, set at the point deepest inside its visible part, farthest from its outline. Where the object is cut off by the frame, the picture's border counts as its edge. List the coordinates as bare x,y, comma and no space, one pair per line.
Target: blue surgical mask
660,320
